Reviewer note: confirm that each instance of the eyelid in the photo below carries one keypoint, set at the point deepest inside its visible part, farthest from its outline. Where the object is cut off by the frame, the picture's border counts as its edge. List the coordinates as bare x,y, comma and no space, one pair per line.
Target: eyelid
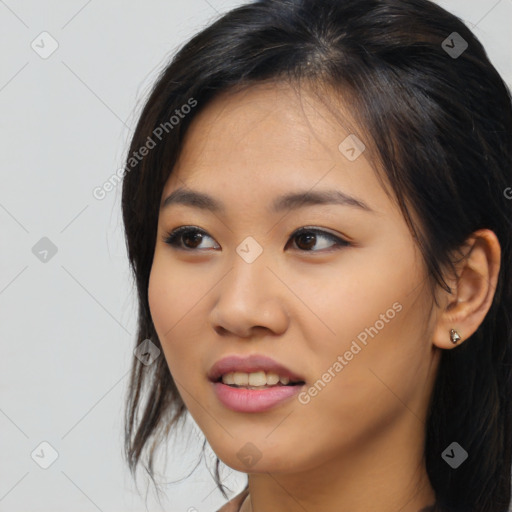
174,234
319,230
339,241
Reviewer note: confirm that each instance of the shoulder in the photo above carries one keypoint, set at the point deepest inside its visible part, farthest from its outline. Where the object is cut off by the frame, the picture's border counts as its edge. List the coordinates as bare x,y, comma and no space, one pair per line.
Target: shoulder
235,503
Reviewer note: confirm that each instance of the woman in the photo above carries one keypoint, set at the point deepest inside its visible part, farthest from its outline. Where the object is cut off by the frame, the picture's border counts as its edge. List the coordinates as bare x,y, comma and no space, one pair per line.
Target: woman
317,218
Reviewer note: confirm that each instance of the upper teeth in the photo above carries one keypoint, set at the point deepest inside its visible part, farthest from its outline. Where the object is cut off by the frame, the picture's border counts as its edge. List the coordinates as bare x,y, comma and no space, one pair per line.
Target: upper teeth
254,379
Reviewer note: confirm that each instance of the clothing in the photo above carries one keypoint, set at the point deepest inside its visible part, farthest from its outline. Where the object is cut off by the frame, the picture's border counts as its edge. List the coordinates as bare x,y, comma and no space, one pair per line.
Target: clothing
234,504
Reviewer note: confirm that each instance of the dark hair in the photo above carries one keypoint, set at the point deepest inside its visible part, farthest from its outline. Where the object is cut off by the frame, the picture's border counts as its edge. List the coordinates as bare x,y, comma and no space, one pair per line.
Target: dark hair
437,123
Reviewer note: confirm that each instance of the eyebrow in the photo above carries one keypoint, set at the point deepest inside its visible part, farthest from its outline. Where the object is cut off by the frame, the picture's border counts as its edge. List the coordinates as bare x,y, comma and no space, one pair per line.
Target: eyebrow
289,201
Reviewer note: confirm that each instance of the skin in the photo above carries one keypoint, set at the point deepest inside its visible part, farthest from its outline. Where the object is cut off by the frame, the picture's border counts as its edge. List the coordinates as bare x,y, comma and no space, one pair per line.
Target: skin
358,444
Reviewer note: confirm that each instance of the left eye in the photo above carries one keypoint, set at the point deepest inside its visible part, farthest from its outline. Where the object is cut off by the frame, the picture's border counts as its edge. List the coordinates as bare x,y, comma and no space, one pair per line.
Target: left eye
307,236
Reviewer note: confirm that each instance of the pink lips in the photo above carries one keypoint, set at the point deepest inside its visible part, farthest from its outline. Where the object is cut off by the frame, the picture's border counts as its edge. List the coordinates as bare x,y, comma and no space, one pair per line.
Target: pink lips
252,400
248,364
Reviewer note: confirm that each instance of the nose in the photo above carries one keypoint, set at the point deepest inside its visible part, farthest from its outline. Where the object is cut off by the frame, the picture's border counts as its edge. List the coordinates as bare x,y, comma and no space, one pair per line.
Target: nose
250,298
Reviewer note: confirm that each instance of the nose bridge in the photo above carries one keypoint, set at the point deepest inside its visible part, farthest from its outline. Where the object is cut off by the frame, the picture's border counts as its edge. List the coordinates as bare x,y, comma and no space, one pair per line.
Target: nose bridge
247,297
249,270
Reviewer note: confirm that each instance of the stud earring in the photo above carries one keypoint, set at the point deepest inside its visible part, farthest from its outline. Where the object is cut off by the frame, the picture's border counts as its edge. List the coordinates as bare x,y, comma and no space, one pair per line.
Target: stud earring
454,336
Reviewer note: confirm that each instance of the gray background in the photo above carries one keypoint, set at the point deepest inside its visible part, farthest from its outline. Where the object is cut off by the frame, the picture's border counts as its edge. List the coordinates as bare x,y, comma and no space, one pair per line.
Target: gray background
67,324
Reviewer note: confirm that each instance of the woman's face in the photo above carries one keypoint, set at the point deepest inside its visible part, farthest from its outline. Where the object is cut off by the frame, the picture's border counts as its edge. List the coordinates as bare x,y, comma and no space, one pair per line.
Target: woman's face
344,306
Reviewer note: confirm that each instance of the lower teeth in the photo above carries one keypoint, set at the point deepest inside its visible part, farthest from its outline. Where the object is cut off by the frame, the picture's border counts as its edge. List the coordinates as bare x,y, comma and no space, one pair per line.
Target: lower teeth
256,387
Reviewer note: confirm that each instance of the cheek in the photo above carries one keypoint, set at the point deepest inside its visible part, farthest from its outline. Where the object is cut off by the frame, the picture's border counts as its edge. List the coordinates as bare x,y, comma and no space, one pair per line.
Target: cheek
368,291
372,311
165,308
170,294
175,305
159,296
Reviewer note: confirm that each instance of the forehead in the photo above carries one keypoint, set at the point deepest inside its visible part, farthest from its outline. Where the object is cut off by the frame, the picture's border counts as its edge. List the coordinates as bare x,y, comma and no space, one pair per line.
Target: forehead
261,117
268,139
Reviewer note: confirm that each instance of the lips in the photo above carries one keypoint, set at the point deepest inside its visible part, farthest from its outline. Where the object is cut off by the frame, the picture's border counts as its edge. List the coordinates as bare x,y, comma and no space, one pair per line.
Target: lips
249,364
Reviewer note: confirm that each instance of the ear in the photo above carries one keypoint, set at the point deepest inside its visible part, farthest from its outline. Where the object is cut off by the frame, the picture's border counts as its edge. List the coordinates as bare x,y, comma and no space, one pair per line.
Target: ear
472,289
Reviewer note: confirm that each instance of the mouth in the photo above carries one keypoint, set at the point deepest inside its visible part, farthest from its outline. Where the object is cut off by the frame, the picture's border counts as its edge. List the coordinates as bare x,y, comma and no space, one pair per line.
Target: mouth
254,371
255,391
254,383
257,380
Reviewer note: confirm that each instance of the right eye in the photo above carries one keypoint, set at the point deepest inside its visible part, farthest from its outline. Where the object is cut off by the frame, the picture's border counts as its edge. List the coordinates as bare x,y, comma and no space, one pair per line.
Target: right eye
190,233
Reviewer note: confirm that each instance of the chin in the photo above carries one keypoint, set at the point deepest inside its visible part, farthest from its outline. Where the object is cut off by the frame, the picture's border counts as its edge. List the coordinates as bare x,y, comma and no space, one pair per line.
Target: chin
246,461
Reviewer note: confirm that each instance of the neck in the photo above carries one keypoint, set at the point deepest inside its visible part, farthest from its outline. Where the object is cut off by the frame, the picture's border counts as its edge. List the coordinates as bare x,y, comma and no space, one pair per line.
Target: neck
247,505
369,477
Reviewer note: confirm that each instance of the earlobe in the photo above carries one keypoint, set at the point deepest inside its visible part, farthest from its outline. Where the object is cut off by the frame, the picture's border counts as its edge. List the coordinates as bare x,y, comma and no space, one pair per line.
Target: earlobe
465,308
454,336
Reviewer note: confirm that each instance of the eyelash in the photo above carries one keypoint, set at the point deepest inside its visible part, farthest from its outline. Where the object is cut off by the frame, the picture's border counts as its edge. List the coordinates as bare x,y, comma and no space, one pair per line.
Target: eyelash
173,238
